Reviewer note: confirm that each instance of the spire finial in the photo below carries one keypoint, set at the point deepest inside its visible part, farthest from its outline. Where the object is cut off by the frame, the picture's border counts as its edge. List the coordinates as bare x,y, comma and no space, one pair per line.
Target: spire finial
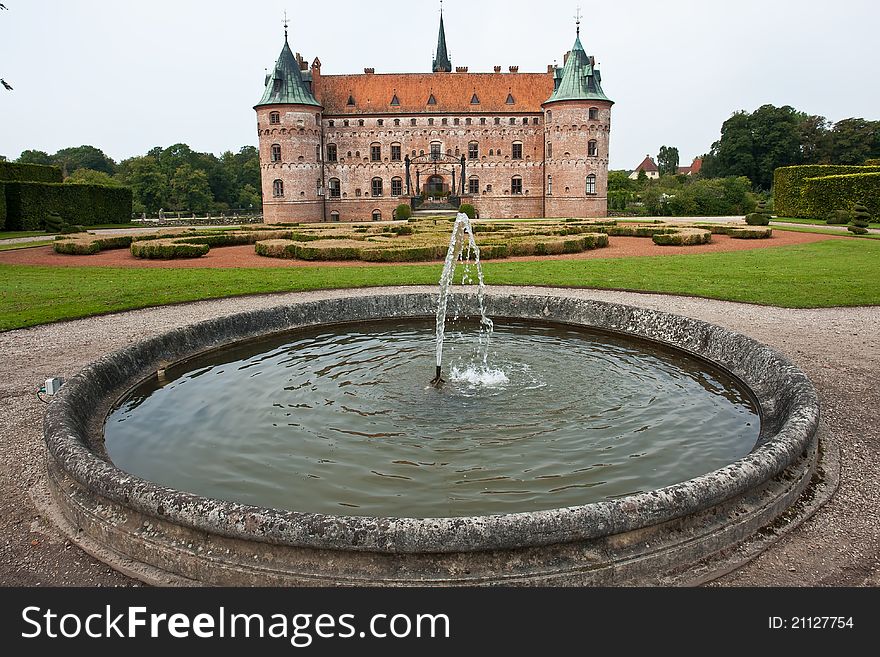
285,25
577,19
441,8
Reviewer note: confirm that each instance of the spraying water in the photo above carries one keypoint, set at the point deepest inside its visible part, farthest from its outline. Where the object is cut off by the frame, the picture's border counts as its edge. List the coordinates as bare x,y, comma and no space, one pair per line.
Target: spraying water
461,243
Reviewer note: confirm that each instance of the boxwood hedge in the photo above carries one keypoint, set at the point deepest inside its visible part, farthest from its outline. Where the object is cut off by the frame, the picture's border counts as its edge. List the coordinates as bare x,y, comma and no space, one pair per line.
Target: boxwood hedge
822,196
29,173
28,204
789,185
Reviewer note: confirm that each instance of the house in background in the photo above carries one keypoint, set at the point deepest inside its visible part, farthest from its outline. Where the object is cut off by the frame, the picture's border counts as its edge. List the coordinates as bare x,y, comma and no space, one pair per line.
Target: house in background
693,169
649,166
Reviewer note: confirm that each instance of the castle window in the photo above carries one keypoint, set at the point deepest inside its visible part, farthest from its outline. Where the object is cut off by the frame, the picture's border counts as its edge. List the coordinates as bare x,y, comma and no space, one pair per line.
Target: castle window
591,184
334,188
431,121
357,192
491,152
334,216
475,99
473,151
489,189
512,120
482,121
535,121
377,215
331,124
345,123
396,123
594,114
549,116
331,152
376,186
468,121
498,152
396,187
276,152
274,118
456,121
517,150
444,121
549,150
395,152
592,148
318,153
497,121
516,185
278,188
380,122
375,153
473,185
276,85
412,121
549,185
525,120
317,119
436,150
361,123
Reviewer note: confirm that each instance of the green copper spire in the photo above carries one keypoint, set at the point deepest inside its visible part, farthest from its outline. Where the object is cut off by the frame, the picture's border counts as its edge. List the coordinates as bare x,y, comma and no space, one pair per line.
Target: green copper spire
441,61
579,79
285,85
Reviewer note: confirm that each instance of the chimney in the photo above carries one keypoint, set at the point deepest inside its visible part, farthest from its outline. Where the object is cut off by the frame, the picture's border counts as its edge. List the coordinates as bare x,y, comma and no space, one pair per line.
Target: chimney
551,68
498,69
514,69
461,69
369,71
565,59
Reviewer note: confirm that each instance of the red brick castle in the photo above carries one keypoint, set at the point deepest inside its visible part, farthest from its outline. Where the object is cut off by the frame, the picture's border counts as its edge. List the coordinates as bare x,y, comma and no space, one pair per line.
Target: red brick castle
354,147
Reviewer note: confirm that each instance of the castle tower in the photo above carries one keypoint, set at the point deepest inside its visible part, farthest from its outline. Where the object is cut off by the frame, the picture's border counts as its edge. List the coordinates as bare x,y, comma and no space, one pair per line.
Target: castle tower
289,126
577,125
441,60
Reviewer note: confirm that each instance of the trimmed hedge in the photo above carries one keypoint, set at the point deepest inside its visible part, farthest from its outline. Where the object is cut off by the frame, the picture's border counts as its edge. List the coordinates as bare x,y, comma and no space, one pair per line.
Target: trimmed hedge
789,185
683,237
90,244
276,249
404,254
167,250
822,196
28,204
751,233
2,206
29,173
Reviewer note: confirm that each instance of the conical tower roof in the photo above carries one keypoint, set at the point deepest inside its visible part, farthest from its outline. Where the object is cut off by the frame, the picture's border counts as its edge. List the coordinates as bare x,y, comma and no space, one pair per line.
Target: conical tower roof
441,61
285,85
579,79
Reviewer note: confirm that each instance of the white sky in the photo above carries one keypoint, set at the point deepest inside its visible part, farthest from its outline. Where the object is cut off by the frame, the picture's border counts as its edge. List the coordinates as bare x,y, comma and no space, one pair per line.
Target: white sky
126,76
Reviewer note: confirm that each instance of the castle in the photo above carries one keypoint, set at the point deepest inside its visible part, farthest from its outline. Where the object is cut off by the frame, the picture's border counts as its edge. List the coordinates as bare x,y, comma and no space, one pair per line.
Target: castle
354,147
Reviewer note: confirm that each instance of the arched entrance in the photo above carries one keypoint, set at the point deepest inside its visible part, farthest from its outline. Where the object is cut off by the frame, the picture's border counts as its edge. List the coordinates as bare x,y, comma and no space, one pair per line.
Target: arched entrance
435,186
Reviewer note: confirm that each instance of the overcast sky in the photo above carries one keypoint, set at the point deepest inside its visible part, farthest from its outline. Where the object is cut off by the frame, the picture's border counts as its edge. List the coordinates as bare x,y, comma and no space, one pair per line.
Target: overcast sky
127,76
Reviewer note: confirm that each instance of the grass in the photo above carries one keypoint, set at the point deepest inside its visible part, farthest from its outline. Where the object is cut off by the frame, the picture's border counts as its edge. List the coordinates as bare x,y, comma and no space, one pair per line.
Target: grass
24,245
823,274
814,222
824,231
14,234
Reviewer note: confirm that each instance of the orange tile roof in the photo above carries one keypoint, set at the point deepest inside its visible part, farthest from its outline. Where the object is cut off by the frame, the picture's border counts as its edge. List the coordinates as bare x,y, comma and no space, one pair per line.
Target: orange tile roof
453,91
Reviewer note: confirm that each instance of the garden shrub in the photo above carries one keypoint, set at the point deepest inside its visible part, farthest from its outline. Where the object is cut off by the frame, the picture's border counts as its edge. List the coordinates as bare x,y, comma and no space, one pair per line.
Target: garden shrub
167,249
839,217
86,244
403,212
752,233
277,248
824,195
72,230
402,230
790,183
54,223
29,203
757,219
30,173
2,206
683,237
860,219
468,209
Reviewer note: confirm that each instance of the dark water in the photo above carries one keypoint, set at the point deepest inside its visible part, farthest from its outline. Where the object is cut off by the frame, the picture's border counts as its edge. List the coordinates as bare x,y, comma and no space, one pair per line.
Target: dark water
340,421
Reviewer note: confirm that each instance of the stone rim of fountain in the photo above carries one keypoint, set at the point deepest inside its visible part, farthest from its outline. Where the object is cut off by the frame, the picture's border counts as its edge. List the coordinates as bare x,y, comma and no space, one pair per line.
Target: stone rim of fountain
81,476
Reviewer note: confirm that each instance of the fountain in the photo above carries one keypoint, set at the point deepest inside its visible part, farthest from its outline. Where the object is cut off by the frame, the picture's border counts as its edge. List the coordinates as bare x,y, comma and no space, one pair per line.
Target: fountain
299,444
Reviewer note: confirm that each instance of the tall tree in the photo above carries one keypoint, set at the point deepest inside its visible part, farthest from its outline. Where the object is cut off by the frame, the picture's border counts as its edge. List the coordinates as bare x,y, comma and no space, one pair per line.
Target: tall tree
855,140
34,157
83,157
150,186
667,160
190,189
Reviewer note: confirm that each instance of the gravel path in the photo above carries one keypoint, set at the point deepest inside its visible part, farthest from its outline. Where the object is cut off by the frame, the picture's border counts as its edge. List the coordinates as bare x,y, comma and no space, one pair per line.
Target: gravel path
838,348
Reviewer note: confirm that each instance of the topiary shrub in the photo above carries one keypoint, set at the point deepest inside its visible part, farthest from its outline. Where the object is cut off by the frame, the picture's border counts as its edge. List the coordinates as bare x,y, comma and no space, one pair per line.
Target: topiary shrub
683,237
276,249
167,250
90,244
468,209
403,212
860,219
754,233
71,230
840,217
402,230
54,223
757,219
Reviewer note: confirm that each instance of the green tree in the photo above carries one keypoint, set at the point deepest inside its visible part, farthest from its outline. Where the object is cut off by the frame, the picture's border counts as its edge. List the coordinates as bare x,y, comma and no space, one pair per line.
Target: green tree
816,142
855,140
619,181
83,157
150,186
190,189
34,157
667,160
90,177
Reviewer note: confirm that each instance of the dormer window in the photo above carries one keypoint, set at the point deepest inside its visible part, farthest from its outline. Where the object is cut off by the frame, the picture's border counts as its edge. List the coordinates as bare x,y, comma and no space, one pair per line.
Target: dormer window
395,101
475,100
350,102
432,100
510,100
276,85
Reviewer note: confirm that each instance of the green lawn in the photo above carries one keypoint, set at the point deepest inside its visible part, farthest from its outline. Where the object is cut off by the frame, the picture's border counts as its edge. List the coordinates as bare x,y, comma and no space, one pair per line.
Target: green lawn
14,234
831,273
813,222
823,231
24,245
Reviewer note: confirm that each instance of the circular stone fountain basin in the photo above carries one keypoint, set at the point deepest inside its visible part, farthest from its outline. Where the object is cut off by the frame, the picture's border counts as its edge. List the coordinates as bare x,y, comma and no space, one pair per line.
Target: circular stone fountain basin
620,445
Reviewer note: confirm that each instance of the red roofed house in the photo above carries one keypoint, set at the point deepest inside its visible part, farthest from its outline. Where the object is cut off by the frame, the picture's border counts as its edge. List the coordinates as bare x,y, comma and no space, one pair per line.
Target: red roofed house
693,169
648,166
353,147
